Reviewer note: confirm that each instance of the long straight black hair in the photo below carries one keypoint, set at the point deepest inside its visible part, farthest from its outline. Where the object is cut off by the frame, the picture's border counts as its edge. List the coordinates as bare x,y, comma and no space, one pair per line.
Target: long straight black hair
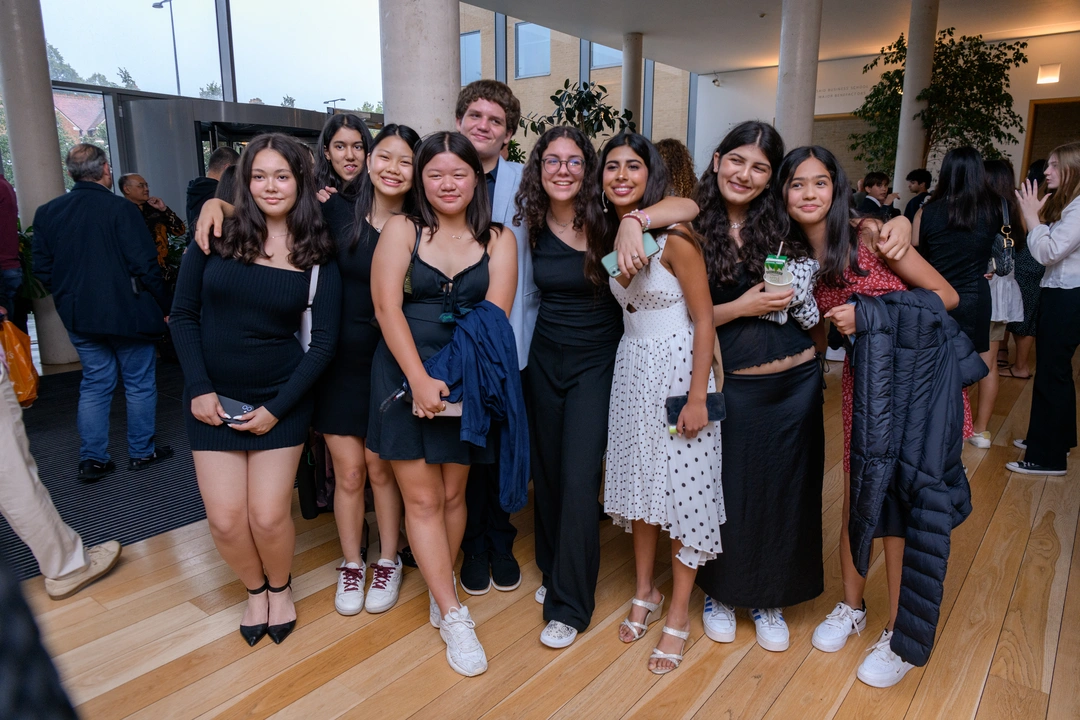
841,240
243,235
766,221
325,176
478,212
600,244
962,185
1001,181
361,191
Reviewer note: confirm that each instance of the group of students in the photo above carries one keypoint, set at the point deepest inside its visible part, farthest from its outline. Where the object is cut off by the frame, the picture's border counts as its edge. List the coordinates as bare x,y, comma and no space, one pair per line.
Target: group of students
399,259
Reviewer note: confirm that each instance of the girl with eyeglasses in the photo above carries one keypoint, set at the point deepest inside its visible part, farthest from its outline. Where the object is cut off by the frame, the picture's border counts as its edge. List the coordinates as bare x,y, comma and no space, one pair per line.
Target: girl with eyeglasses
571,360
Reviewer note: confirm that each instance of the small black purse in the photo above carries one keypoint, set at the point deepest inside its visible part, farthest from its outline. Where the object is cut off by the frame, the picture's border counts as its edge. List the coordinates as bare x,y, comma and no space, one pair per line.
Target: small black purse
714,404
1002,253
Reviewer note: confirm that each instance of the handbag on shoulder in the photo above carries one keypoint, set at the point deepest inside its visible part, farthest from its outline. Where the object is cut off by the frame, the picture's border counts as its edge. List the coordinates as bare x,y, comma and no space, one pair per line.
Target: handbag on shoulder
1002,253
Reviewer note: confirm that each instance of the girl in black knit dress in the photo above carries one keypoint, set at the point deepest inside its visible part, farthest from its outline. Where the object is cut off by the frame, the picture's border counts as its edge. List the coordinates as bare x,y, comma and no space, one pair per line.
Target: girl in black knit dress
234,321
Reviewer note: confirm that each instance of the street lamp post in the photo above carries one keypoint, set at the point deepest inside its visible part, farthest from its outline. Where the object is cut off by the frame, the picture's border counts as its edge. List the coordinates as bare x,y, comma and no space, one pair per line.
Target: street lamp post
176,63
335,101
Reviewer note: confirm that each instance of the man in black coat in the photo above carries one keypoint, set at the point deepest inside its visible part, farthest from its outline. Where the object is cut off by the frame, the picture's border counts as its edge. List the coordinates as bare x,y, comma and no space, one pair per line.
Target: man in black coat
92,251
202,189
878,201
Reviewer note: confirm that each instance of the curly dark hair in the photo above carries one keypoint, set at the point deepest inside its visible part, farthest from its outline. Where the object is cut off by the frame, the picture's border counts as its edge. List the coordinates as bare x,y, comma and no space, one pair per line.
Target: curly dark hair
492,91
243,235
324,169
766,221
680,166
478,212
532,201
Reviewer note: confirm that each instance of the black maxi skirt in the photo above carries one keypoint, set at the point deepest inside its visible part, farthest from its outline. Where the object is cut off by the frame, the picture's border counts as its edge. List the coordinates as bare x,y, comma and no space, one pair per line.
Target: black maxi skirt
774,463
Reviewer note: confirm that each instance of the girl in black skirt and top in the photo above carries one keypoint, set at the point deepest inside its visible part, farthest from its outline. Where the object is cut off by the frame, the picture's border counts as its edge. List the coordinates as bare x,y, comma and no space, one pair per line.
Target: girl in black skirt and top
571,360
428,268
234,321
774,440
343,395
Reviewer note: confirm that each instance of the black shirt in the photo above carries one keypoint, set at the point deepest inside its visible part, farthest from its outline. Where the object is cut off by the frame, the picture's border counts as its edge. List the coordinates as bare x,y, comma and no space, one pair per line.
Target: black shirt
573,311
492,178
914,204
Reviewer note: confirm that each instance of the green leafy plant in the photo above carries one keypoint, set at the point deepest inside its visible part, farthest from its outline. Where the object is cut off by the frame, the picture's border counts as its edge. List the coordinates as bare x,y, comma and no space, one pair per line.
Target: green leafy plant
967,101
584,106
514,153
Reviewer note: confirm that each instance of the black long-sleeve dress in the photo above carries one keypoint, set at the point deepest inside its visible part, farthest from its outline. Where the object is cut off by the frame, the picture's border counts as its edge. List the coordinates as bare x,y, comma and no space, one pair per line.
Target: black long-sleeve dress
234,326
343,392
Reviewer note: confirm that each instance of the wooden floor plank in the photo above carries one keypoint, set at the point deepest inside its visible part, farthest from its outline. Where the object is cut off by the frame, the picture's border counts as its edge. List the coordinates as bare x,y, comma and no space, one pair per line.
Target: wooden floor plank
1005,700
1065,689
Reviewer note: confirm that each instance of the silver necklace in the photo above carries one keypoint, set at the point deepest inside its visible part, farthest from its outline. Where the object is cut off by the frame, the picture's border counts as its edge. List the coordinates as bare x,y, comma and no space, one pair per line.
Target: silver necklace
272,237
736,225
556,221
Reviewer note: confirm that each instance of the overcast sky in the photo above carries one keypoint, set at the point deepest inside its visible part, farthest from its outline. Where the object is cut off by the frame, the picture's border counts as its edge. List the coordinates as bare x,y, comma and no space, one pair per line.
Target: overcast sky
313,50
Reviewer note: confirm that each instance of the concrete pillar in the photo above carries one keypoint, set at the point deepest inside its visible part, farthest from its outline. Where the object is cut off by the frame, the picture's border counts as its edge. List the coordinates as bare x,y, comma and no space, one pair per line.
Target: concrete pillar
631,75
796,86
421,62
911,141
35,149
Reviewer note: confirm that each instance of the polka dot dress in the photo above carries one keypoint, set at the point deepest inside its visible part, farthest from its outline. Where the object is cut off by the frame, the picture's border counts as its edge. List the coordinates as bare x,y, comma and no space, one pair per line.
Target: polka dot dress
652,475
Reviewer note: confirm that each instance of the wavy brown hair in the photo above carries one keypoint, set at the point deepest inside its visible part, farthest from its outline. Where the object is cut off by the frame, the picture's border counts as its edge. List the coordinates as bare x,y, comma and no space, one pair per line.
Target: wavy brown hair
532,200
1068,159
243,235
680,166
766,221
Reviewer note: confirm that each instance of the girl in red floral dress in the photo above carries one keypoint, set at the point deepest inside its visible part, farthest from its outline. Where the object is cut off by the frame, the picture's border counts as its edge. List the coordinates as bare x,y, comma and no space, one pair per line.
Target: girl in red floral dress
817,196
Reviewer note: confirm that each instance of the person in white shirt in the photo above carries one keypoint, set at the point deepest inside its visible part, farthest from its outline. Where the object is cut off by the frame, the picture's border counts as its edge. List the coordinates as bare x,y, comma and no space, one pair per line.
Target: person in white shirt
1054,240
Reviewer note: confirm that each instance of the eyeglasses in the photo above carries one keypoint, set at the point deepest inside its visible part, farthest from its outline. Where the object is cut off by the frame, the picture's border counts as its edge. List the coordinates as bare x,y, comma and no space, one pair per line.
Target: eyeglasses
574,165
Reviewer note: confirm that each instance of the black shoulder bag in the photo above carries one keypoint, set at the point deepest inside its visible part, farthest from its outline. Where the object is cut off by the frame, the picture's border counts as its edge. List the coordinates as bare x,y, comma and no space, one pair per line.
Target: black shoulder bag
1002,252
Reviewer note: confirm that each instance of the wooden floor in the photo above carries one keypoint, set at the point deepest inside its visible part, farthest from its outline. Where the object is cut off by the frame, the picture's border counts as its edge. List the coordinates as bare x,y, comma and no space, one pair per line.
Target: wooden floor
157,638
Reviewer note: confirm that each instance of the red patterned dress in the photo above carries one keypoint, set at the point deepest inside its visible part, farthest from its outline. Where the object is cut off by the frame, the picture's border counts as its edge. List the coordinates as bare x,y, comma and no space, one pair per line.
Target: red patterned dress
880,280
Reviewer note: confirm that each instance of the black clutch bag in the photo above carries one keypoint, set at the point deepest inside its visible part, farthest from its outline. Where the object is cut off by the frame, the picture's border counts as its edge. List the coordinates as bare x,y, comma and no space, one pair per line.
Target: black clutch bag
714,403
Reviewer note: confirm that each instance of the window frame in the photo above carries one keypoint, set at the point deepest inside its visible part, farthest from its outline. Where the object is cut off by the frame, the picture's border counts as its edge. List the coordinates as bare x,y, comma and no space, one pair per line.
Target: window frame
463,39
592,57
517,51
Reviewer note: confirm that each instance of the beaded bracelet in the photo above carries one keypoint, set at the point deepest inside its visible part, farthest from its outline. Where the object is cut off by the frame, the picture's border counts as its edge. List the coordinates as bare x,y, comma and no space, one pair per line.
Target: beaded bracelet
642,218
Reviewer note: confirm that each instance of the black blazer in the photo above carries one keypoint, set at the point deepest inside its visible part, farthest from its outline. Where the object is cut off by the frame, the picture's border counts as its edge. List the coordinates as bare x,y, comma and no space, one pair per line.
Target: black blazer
869,207
92,251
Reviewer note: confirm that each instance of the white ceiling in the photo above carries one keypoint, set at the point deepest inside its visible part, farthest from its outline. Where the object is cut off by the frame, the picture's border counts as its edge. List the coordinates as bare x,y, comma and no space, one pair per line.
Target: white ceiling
707,36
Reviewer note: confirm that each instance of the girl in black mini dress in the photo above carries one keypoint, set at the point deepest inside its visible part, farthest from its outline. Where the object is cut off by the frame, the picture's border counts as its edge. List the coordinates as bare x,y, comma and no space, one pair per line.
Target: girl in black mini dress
427,269
234,321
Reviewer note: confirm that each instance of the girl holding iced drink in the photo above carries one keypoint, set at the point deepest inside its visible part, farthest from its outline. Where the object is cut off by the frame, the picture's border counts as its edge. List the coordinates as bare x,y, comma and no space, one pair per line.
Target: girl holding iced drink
815,192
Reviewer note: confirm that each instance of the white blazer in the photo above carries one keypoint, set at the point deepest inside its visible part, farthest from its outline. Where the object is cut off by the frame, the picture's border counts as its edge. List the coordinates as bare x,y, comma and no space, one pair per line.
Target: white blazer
526,297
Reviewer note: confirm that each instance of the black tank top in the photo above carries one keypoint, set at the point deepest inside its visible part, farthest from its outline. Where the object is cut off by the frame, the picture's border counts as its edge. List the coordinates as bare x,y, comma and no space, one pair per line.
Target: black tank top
573,311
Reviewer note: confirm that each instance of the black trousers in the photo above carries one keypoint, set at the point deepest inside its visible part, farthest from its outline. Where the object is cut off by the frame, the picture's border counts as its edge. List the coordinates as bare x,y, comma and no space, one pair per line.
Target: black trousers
568,391
487,526
1052,427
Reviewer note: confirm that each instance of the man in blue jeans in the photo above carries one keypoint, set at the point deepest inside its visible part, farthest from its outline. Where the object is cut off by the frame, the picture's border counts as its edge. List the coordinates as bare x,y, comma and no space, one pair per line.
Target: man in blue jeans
92,251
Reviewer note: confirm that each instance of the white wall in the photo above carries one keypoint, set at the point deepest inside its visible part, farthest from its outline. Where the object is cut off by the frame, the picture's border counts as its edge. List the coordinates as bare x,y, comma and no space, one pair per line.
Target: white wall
841,86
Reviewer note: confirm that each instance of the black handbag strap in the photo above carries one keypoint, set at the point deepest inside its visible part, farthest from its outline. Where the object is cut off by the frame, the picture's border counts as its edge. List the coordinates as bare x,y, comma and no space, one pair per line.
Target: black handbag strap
1005,214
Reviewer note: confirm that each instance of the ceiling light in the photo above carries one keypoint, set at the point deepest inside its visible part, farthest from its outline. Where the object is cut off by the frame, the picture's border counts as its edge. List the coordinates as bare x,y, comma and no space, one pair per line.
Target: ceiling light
1049,74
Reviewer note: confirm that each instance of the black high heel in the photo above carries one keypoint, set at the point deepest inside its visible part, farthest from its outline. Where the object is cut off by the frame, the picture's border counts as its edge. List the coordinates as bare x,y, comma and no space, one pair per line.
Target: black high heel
254,633
279,632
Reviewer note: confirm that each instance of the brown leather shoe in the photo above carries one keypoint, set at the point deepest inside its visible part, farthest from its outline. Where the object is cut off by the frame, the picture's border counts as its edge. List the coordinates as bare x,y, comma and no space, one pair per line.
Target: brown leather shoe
103,558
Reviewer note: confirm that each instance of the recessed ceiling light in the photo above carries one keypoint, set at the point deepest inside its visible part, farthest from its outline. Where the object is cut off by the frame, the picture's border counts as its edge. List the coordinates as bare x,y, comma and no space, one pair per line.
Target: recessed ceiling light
1049,74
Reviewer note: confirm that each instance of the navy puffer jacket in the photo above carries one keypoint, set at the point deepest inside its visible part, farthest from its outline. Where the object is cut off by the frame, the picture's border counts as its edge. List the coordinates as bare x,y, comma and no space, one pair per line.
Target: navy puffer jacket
909,364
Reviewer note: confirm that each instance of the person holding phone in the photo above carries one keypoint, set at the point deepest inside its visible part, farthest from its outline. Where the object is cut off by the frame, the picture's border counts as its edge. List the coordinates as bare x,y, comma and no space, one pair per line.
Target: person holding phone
429,269
655,479
234,321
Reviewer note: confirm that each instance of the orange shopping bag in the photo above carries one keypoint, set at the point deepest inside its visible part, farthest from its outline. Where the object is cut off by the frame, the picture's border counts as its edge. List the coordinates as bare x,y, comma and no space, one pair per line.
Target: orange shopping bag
24,377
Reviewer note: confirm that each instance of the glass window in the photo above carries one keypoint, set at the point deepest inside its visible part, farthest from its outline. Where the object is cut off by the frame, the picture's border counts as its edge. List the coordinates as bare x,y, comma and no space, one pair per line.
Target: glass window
604,56
532,50
470,57
284,56
131,45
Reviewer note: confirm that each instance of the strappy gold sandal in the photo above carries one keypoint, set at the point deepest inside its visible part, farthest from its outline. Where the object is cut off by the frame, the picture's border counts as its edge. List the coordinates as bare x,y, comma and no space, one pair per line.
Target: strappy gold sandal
638,629
677,659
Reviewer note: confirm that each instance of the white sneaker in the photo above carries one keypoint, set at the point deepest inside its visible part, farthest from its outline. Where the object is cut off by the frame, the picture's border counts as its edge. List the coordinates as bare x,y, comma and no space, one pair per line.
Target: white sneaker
385,586
981,440
558,635
719,621
540,594
832,634
883,668
349,599
434,616
463,649
772,631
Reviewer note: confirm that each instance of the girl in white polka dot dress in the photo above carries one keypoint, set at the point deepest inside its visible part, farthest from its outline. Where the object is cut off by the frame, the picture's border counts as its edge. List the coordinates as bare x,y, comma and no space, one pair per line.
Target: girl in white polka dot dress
655,479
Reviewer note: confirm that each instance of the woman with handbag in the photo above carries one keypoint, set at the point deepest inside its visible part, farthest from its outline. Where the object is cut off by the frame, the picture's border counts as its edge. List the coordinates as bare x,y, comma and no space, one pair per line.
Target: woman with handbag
571,360
662,472
955,232
236,318
1006,295
1053,238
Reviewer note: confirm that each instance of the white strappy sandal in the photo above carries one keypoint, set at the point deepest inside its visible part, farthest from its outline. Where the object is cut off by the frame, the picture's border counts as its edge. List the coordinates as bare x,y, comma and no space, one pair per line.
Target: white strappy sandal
676,659
638,629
